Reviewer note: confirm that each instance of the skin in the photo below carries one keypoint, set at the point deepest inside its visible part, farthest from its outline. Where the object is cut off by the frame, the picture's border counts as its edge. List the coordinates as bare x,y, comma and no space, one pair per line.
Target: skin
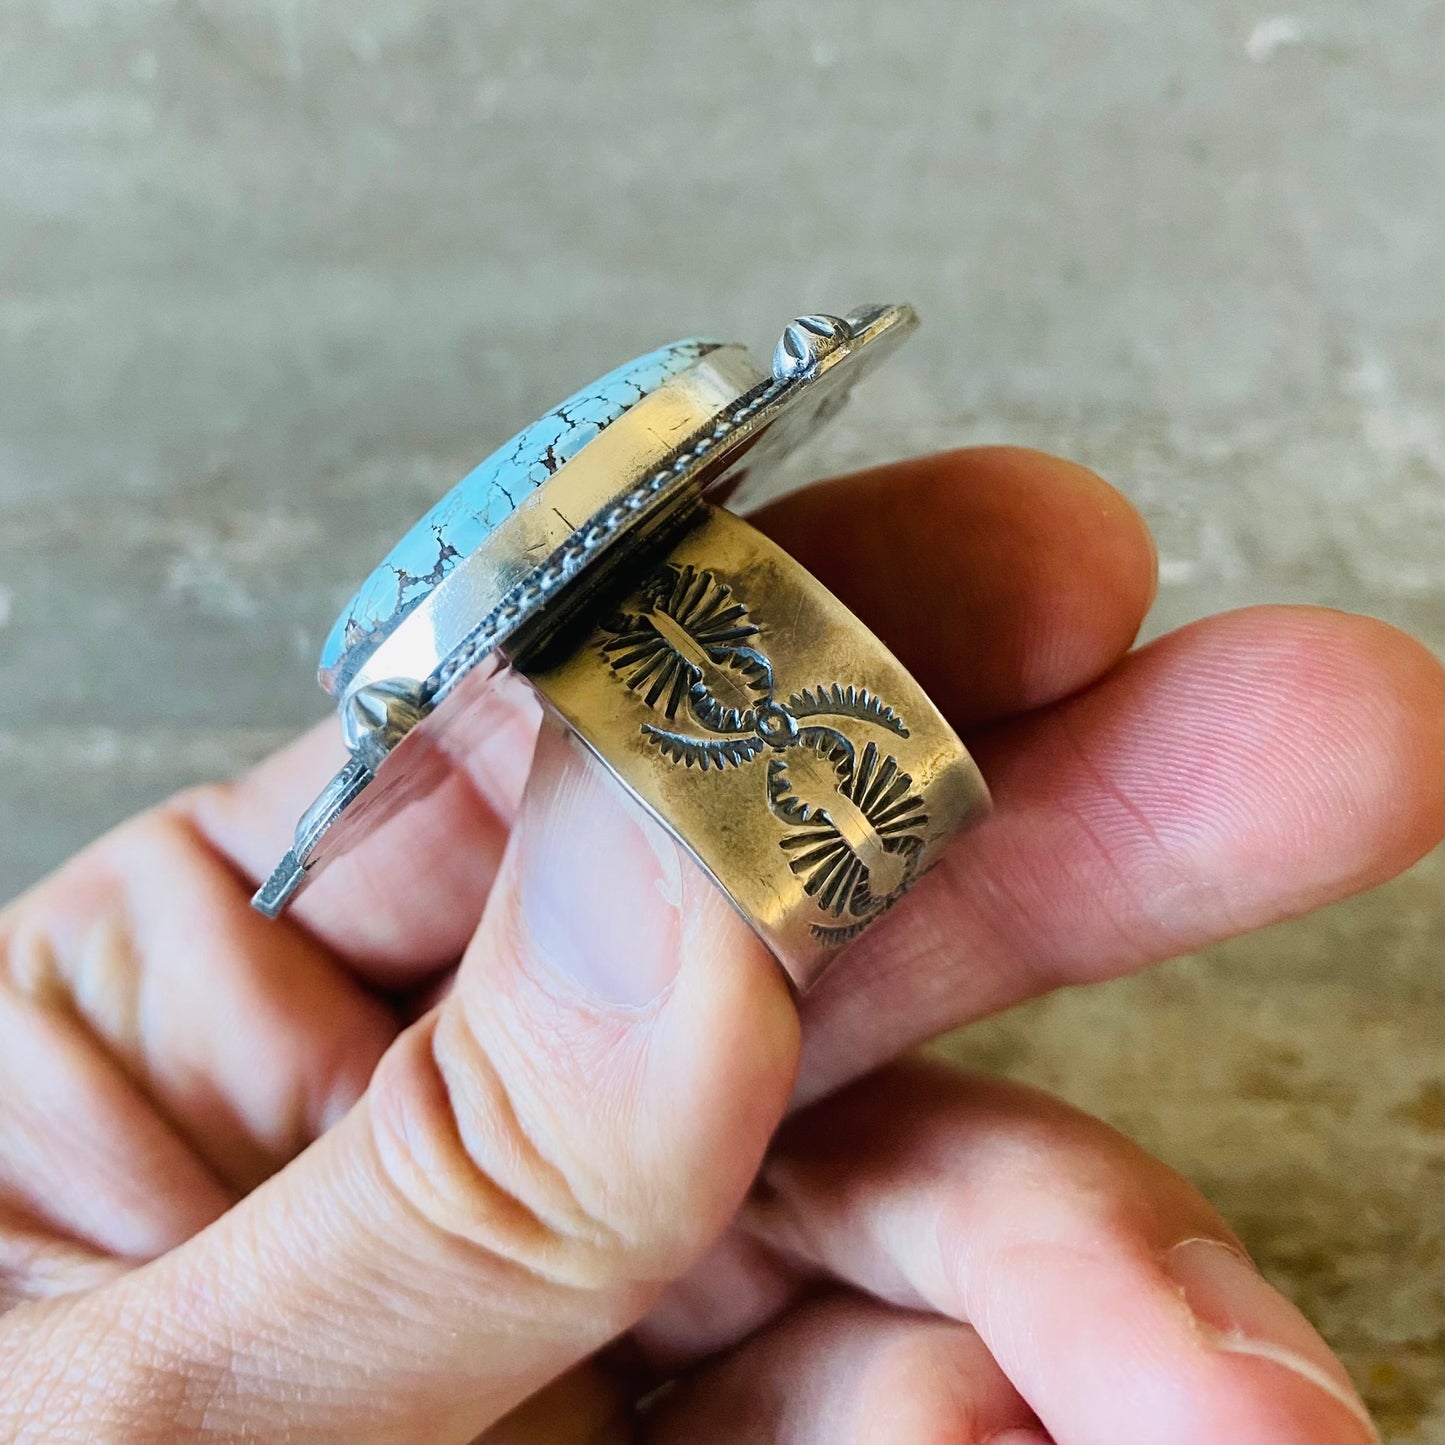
512,1120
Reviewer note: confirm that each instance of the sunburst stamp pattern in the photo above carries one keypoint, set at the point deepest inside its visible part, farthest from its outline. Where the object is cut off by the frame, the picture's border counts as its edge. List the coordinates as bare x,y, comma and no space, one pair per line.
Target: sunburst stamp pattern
852,826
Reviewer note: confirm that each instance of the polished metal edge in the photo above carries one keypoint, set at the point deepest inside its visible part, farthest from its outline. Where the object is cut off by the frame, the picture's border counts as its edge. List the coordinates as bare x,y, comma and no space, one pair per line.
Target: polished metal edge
800,360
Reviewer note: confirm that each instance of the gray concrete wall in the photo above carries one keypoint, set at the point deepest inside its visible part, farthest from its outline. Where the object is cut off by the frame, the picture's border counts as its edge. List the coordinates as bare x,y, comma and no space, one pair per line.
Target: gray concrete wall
273,275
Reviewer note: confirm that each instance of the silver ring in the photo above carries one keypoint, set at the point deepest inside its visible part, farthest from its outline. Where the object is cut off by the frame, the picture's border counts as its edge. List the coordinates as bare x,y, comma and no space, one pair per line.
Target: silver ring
731,693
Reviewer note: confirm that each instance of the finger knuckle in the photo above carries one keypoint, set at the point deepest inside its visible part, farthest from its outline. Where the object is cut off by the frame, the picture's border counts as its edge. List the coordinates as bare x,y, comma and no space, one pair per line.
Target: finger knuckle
467,1152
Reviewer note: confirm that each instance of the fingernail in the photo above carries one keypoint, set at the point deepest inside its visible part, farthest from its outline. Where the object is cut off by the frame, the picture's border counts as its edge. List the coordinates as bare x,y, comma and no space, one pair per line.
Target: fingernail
1243,1314
600,882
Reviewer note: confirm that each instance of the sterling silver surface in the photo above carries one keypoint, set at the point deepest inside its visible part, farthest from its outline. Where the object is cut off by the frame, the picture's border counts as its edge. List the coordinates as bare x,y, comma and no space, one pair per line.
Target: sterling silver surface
774,736
597,521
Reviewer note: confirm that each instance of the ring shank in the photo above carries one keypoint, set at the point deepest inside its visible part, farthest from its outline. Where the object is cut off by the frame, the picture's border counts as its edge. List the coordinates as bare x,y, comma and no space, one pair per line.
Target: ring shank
769,731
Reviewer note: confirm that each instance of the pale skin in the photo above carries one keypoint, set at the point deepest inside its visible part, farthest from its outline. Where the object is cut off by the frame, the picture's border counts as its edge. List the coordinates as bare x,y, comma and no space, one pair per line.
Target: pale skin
512,1120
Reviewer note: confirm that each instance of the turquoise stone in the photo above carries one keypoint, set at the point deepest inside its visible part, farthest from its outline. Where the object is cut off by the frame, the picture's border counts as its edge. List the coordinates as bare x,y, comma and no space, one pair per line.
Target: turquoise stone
468,513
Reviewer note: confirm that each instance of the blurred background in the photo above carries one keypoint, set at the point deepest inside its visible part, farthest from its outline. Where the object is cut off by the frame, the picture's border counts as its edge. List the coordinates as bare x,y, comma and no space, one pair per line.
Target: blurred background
273,275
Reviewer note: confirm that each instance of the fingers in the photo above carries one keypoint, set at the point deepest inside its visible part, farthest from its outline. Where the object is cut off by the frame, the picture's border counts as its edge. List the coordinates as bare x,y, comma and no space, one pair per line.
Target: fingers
36,1264
1240,771
532,1162
168,1048
1106,1288
83,1154
404,903
844,1367
1003,577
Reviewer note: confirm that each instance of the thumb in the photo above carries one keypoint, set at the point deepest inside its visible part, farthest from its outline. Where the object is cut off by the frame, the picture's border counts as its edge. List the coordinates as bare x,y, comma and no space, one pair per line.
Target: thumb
532,1163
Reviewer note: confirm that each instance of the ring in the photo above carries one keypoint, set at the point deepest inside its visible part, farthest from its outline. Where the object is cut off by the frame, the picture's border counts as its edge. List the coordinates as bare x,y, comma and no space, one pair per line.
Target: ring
733,696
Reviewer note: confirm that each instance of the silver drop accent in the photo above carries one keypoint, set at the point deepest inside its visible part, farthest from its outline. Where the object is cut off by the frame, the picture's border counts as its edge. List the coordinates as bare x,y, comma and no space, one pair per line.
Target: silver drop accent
805,342
375,718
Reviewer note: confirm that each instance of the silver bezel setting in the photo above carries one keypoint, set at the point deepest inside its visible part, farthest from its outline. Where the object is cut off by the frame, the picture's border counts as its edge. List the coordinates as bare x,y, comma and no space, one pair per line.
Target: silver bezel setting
521,593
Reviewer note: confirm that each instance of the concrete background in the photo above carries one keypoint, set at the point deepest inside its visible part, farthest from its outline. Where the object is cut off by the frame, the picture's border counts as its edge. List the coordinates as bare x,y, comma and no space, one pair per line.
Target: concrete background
273,275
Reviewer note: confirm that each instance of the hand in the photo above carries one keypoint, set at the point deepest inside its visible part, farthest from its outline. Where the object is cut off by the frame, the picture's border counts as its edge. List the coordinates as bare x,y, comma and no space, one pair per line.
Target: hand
239,1199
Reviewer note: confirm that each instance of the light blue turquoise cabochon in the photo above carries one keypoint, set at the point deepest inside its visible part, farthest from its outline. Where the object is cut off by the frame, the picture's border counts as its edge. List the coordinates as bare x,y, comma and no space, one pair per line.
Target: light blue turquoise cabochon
468,513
